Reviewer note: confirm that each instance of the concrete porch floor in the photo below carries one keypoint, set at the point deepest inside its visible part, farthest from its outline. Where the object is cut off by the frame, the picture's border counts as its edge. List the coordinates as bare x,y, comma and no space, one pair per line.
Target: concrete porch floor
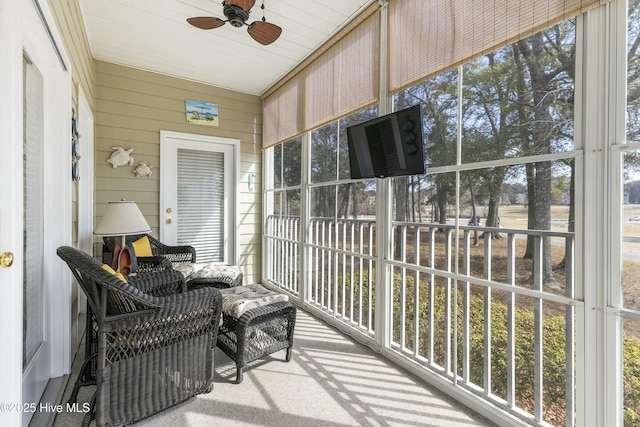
331,381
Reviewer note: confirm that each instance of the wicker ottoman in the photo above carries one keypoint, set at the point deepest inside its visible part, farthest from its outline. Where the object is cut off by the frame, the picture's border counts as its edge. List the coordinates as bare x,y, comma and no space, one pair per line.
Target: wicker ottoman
200,275
255,323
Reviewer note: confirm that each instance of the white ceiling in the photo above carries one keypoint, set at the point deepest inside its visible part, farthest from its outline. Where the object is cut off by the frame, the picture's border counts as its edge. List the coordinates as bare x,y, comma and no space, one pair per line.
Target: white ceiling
154,35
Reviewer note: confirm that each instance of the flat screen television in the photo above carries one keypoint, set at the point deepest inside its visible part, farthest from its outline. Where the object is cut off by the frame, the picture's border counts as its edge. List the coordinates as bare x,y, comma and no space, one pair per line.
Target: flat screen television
390,145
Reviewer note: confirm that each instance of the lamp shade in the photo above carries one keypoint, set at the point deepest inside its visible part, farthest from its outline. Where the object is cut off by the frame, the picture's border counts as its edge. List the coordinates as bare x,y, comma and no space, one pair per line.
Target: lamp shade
122,218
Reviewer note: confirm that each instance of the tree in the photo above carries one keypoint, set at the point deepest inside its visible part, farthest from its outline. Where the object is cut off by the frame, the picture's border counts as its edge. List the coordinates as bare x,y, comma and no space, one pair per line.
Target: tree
545,63
490,123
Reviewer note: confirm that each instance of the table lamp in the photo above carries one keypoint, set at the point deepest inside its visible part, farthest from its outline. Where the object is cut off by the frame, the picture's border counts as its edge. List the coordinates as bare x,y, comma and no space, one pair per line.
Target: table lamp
123,219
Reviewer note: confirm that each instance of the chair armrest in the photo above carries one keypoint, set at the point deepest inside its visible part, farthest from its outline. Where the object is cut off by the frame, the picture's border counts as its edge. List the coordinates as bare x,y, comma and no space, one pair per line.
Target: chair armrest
150,263
177,253
181,253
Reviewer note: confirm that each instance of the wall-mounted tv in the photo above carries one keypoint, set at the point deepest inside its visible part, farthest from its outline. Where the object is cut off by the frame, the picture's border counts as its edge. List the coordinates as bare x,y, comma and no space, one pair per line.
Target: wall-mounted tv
390,145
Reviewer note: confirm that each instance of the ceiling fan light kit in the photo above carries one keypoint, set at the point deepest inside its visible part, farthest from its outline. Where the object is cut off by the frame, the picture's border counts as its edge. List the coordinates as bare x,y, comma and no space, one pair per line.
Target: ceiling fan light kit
237,13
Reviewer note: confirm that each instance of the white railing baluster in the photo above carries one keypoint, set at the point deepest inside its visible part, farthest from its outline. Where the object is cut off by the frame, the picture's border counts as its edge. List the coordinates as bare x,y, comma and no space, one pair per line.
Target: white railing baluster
538,278
360,270
570,347
511,321
296,256
344,268
284,279
323,282
466,307
332,298
370,279
448,301
403,287
487,314
416,293
317,264
432,293
352,269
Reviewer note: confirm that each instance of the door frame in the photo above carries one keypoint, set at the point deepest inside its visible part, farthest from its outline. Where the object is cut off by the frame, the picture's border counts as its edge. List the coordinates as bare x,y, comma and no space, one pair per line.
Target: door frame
233,225
85,184
85,207
23,26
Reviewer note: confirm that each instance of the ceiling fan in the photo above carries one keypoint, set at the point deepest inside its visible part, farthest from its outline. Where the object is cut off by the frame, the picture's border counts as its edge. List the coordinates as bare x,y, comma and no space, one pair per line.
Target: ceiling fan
237,13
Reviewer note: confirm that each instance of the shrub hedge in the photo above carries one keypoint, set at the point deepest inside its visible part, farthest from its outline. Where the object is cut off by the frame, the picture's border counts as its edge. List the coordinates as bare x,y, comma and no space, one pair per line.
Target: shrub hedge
553,338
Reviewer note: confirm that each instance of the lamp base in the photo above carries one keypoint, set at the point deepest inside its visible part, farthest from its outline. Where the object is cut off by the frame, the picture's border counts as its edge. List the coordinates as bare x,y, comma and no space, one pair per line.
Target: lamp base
122,259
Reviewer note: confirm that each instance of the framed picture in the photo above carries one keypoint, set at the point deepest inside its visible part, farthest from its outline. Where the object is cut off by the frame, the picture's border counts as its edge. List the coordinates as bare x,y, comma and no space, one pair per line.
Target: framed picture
201,113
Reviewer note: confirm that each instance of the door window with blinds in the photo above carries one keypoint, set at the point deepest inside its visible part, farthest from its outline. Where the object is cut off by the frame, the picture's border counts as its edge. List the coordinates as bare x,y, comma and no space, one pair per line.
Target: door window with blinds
33,196
201,203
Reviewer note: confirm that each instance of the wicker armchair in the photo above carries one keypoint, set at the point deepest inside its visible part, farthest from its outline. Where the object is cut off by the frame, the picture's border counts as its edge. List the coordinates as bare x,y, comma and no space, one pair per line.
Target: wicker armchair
180,253
153,352
156,284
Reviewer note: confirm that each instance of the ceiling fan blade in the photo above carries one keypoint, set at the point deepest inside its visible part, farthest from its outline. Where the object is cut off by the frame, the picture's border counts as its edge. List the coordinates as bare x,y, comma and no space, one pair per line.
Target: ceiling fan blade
206,22
264,32
245,5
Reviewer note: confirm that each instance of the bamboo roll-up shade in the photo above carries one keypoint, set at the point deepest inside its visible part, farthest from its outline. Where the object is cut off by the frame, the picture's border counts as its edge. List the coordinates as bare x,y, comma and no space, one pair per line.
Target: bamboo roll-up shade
427,38
343,78
282,113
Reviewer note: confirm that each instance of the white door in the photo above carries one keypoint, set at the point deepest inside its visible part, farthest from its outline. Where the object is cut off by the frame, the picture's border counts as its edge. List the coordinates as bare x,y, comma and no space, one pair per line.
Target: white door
198,185
35,213
11,212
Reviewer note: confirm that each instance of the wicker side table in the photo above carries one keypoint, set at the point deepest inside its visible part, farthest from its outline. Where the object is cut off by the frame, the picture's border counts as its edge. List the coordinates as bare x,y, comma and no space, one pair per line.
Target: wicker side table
257,333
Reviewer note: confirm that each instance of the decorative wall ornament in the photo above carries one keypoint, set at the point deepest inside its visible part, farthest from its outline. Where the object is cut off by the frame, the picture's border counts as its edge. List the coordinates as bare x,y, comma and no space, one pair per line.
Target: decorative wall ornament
142,169
75,147
120,157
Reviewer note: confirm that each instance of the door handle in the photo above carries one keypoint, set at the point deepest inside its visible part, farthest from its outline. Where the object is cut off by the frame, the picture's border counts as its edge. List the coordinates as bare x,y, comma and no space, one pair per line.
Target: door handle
168,221
6,259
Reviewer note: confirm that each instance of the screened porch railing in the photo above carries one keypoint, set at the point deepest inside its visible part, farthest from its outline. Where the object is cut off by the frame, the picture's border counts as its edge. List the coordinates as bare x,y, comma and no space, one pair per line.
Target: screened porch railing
498,319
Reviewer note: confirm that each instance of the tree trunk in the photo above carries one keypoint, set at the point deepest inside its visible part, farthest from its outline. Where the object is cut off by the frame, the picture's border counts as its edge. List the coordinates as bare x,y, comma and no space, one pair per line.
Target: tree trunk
571,227
420,199
474,215
354,203
400,196
343,200
495,191
531,212
543,217
493,220
542,130
442,190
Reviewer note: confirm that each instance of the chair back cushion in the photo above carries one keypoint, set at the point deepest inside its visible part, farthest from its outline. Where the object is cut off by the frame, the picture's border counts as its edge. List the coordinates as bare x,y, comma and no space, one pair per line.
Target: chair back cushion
142,247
